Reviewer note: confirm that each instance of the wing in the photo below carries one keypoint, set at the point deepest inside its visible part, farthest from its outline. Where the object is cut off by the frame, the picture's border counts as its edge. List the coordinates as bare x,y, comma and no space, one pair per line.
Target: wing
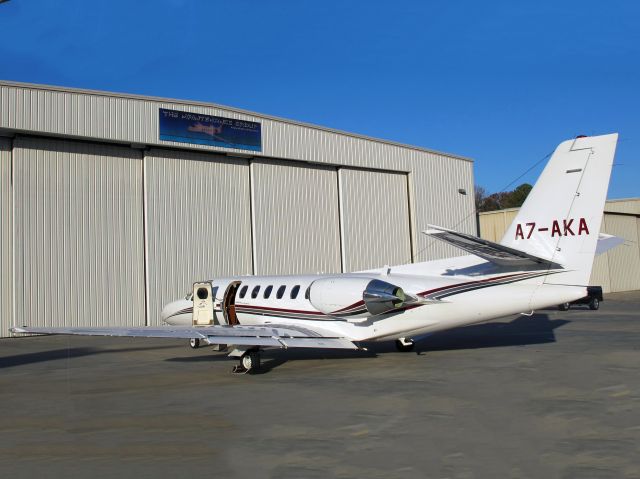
281,336
493,252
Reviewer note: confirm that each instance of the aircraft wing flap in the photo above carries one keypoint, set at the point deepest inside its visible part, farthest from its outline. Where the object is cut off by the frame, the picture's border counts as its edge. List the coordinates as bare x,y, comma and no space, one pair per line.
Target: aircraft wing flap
282,336
488,250
328,343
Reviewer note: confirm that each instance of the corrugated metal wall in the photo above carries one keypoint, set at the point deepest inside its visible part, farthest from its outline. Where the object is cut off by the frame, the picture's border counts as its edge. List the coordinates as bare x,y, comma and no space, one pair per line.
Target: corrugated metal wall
295,218
437,201
624,260
435,177
6,238
493,224
116,117
616,270
629,206
198,222
600,272
79,239
374,210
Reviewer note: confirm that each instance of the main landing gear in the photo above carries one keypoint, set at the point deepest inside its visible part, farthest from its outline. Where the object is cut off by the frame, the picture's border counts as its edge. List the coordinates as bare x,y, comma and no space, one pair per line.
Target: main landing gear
404,345
194,343
248,361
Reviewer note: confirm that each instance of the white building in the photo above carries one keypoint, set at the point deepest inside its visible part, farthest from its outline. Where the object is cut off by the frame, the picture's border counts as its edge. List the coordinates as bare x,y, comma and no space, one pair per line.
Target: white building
112,204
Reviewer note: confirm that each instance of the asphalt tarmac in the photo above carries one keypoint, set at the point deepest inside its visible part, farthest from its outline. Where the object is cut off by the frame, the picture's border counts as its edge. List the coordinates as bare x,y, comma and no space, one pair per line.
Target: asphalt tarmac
555,395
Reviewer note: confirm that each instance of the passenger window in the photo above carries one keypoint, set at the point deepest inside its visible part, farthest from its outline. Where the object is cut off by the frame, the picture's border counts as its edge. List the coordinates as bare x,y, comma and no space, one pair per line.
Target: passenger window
267,292
294,291
243,291
254,293
307,293
280,292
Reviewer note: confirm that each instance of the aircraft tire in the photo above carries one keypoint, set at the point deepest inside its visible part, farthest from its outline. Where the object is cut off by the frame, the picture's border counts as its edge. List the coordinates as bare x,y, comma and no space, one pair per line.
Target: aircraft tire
251,360
594,304
564,307
194,343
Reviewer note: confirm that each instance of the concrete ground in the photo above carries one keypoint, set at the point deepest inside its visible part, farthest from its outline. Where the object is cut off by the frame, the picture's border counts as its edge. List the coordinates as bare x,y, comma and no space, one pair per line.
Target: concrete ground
556,395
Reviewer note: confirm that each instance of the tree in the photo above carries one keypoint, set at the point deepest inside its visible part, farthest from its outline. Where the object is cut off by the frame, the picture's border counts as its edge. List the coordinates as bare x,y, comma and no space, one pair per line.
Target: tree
517,196
504,199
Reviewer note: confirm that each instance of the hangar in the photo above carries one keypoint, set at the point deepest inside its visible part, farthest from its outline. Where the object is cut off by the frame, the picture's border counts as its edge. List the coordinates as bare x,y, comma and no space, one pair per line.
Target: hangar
114,204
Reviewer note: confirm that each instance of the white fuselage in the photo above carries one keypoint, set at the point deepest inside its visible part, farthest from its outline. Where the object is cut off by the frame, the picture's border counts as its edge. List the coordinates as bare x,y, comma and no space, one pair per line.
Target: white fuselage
453,292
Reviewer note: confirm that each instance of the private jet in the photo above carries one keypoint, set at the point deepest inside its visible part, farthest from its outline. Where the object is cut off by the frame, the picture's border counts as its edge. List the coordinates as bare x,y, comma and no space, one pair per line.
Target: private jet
544,259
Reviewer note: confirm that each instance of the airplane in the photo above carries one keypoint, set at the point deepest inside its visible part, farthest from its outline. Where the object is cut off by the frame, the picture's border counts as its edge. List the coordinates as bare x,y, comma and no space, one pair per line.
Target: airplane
544,259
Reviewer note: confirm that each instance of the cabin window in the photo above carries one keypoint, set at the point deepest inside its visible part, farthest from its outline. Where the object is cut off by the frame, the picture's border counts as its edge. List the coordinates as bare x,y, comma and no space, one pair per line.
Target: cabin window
307,293
243,291
280,292
254,293
294,291
267,291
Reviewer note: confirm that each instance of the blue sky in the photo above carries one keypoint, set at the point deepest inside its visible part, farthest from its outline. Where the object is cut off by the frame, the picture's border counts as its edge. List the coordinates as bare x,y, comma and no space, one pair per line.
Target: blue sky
502,82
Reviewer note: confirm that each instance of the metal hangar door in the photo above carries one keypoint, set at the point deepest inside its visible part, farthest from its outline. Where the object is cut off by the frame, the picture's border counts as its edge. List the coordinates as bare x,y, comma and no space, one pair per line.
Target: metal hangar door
79,255
198,222
295,218
6,238
374,210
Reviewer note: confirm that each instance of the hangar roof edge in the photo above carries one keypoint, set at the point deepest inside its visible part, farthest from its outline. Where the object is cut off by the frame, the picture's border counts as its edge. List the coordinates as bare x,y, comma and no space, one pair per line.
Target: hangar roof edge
224,107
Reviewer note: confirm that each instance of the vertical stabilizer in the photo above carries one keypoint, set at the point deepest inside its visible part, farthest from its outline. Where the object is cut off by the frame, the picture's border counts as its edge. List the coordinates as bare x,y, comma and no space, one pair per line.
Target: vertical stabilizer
560,220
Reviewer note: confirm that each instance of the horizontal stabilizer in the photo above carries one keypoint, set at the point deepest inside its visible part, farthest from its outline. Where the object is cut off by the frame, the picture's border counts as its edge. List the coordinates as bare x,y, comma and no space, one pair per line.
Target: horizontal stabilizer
488,250
607,242
274,336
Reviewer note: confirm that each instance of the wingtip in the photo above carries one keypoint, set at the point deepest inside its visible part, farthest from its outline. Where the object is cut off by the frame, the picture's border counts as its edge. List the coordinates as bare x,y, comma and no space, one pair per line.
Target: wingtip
435,229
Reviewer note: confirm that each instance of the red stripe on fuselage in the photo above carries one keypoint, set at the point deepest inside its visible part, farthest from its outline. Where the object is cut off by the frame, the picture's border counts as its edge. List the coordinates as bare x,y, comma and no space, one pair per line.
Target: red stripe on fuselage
354,305
466,283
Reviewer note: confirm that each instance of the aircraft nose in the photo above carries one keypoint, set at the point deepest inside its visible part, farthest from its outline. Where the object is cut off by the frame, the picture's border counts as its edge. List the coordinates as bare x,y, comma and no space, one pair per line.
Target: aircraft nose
179,310
166,312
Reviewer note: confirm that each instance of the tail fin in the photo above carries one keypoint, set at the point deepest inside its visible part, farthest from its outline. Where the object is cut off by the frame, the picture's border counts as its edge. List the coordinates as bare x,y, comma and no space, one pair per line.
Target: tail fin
560,220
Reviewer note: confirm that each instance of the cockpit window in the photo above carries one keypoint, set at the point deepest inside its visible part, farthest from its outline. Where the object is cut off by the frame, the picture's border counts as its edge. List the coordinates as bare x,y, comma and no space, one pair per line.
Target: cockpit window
307,293
267,291
243,291
214,293
294,291
254,293
189,296
280,292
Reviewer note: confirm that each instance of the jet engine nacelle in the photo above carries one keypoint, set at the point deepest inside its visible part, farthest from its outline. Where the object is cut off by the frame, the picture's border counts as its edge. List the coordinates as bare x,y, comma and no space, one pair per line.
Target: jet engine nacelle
356,297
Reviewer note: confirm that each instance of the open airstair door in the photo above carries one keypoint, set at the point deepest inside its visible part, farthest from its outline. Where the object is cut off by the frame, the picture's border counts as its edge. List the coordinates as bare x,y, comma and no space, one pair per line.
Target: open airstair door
203,314
229,303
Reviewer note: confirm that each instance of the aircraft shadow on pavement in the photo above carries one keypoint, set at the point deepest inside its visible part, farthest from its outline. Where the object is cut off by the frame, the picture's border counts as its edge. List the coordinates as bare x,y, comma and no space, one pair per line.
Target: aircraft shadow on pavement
64,353
537,329
524,330
272,358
